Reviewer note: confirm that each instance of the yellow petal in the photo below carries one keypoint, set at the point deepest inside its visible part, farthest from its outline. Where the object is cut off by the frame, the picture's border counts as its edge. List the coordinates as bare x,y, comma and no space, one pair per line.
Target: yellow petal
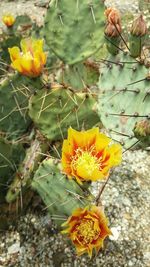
23,45
116,154
8,20
37,45
82,139
102,141
14,53
17,65
26,63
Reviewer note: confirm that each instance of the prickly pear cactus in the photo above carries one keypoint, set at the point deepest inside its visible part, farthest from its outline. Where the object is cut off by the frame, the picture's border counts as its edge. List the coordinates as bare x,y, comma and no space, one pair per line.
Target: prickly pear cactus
79,76
14,95
60,195
53,111
24,175
74,29
10,156
124,97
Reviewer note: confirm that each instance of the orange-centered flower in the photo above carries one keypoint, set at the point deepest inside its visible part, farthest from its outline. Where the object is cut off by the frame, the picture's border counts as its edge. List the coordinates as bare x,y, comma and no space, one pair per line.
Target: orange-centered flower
88,155
87,229
31,60
8,20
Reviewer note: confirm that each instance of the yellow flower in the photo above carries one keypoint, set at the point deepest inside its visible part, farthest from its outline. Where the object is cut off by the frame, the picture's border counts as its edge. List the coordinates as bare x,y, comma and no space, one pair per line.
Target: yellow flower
8,20
88,155
87,228
31,60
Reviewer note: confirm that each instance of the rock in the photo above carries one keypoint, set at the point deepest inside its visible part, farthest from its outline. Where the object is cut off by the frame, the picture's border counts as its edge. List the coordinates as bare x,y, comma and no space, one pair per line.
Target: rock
15,248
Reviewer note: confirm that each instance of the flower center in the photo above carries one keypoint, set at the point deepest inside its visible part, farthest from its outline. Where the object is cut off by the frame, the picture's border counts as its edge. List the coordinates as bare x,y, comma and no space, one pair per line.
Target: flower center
86,231
86,161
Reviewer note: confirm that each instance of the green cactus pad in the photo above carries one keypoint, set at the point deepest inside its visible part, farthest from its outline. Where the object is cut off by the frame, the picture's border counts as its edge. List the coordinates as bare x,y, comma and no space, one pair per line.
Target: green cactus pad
124,97
79,76
55,110
10,156
136,45
74,29
14,94
60,195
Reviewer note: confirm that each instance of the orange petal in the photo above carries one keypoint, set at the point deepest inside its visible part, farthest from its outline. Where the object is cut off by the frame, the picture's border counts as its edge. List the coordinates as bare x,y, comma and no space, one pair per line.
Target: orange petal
83,139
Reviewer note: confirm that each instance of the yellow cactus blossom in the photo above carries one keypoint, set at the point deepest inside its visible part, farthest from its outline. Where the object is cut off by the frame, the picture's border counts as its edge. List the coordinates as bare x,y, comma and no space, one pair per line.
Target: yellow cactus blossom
8,20
89,155
87,228
31,60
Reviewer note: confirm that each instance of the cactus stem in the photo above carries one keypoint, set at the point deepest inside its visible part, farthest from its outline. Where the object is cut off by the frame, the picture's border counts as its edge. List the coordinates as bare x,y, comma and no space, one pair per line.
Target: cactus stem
122,37
65,117
10,163
43,101
92,12
122,134
114,44
138,81
147,94
74,100
60,17
133,145
137,91
136,115
55,150
98,198
14,109
19,109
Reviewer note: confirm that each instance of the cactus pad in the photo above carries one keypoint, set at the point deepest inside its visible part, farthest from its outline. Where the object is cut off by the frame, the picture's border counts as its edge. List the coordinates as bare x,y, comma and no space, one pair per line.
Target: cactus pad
10,156
74,29
124,98
55,110
60,195
14,94
22,178
79,76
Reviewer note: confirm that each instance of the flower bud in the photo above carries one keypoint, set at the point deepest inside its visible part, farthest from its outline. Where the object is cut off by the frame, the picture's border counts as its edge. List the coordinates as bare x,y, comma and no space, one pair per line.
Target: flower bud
113,15
8,20
139,27
112,30
142,128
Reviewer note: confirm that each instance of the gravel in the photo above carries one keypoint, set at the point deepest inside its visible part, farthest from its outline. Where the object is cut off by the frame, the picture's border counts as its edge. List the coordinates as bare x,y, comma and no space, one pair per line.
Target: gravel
35,242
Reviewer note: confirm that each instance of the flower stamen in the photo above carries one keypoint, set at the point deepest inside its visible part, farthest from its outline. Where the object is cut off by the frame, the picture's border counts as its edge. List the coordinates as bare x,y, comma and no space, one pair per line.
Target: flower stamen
86,232
87,160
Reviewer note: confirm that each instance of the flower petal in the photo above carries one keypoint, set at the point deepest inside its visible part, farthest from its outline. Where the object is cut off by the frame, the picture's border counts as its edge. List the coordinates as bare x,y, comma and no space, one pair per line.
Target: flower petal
14,53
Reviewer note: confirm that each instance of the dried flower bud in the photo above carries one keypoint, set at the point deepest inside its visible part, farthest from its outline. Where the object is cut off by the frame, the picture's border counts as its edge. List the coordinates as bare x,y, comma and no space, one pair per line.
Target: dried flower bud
139,27
112,30
113,15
